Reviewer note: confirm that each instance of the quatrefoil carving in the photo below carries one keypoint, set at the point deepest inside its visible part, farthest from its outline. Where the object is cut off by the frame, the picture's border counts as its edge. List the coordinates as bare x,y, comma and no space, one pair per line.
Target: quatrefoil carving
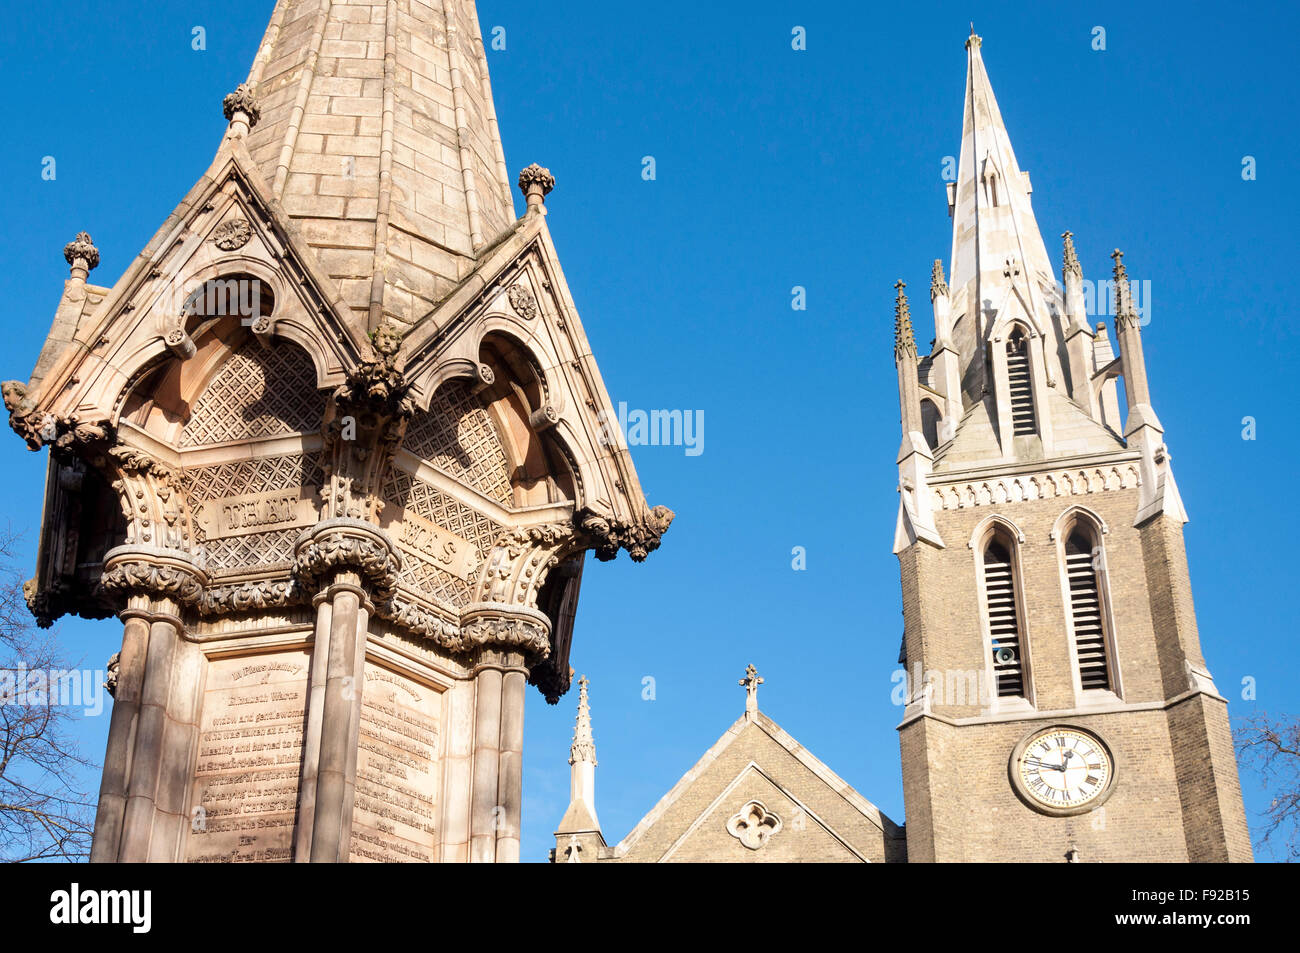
753,825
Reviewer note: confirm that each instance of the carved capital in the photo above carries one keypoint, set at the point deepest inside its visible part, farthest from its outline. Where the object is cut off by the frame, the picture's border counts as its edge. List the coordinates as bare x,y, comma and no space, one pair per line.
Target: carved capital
153,571
504,627
337,544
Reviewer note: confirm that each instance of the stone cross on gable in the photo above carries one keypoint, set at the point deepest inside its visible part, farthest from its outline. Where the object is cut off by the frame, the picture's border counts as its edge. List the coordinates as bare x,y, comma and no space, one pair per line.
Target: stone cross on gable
751,681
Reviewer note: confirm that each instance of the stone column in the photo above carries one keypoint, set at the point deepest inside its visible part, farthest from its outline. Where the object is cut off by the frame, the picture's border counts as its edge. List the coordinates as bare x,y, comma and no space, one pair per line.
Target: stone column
344,558
509,639
121,731
151,740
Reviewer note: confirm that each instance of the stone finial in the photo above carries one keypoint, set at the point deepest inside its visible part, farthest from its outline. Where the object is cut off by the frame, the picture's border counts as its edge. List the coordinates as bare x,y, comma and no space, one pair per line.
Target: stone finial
536,183
1071,260
751,681
81,249
973,40
584,745
938,284
904,339
241,102
1125,316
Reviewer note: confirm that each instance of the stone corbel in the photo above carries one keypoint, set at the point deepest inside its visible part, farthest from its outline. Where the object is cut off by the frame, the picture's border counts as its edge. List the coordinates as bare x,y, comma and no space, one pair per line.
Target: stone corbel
607,535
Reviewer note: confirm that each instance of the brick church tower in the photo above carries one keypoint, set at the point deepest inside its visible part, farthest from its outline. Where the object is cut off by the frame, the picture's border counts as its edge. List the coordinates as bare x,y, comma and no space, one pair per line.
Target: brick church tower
333,450
1059,705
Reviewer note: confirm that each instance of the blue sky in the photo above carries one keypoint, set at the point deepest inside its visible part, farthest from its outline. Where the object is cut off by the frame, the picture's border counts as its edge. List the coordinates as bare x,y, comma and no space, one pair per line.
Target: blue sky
775,168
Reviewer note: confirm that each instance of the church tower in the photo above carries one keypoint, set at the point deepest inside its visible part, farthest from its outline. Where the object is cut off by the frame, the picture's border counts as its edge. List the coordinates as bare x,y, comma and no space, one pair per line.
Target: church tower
1059,705
333,450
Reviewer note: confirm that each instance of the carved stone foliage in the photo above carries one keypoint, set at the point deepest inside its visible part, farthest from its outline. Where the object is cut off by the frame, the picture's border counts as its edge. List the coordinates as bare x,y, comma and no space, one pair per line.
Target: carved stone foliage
252,596
259,392
231,235
69,436
520,561
241,100
1040,486
458,437
82,247
607,535
522,300
754,825
526,635
126,575
348,544
156,509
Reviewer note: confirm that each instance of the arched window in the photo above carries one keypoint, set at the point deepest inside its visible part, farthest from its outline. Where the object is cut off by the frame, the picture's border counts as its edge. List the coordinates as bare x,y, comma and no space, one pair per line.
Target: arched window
1003,609
1088,606
1023,421
931,418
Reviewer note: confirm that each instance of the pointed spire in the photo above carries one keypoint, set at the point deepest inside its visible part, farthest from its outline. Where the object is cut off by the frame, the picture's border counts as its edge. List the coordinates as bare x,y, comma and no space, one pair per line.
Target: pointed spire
904,339
380,139
1071,264
1125,316
938,286
996,242
584,745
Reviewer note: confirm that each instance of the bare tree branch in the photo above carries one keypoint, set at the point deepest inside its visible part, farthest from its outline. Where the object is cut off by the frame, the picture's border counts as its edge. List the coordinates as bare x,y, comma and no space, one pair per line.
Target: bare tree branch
44,814
1271,746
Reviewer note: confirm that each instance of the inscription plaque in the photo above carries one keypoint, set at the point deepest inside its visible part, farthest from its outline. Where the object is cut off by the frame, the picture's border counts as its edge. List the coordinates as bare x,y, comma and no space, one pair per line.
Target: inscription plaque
245,793
441,547
394,818
258,512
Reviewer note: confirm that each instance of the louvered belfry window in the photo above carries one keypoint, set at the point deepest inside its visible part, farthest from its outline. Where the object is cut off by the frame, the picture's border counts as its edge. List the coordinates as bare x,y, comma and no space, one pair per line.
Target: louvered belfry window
1022,394
1004,619
1086,609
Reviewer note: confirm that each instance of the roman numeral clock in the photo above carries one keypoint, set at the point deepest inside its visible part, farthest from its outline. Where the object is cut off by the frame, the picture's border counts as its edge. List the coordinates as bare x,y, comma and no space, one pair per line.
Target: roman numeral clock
1062,770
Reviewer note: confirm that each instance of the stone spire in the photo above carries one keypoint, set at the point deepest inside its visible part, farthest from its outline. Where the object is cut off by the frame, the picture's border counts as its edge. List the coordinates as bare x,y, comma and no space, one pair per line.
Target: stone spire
1130,339
378,134
583,748
1070,260
580,819
904,339
998,259
938,284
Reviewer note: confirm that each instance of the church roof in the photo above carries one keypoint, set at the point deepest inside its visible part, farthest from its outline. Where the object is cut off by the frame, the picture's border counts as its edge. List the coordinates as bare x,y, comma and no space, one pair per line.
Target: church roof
756,761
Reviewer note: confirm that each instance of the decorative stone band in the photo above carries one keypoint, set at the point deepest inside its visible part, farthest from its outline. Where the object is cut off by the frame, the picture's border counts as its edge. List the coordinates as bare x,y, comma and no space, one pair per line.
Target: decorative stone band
345,543
998,490
252,596
154,570
492,625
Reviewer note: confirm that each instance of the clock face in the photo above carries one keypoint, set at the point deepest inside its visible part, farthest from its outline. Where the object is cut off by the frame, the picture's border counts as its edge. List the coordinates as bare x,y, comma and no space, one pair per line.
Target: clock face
1063,769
